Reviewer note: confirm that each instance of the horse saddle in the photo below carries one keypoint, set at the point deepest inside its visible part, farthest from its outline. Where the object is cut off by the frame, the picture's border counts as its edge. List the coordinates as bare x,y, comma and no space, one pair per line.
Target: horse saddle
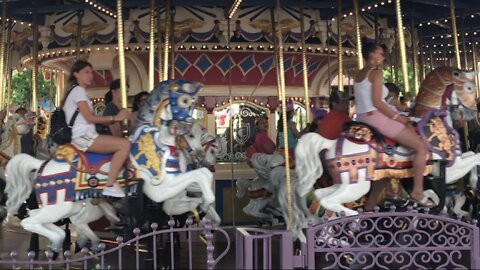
85,178
362,133
86,162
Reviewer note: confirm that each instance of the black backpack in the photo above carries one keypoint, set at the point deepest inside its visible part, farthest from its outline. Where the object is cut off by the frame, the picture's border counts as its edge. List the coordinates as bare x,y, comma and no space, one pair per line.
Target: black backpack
60,131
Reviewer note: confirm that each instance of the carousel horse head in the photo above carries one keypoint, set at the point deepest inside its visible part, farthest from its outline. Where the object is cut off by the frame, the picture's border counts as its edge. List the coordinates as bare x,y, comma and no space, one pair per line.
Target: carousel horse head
14,128
170,104
448,88
202,147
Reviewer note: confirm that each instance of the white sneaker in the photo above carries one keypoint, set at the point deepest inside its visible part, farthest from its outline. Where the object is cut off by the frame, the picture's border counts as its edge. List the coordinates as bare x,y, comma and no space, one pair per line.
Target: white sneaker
114,191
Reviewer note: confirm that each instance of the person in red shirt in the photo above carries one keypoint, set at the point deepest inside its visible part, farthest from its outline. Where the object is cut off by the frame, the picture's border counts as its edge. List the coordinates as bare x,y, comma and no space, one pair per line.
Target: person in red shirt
331,125
262,143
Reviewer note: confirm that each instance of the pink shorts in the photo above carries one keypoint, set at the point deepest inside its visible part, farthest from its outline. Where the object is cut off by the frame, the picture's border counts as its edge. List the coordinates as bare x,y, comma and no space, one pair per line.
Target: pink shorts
382,123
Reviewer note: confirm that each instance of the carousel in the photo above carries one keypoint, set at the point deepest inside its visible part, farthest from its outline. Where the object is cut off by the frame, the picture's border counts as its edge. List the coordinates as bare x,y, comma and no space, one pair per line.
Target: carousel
216,77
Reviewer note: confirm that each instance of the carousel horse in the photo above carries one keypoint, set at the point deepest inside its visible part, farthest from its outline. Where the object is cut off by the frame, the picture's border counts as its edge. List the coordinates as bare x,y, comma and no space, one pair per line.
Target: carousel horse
12,132
362,155
261,191
189,200
192,144
62,183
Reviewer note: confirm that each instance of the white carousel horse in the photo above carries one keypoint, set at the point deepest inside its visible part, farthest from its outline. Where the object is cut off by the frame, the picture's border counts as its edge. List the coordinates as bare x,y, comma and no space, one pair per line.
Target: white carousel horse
91,212
213,147
261,191
12,132
354,160
153,157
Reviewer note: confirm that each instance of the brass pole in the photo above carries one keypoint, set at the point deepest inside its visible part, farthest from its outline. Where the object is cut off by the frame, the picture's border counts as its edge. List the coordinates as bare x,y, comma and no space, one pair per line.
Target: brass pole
397,66
431,59
421,62
284,118
455,35
328,63
475,66
445,58
414,57
357,34
8,63
401,38
464,45
151,51
121,54
79,34
166,46
35,59
230,101
159,42
172,45
2,53
275,53
50,99
304,61
340,48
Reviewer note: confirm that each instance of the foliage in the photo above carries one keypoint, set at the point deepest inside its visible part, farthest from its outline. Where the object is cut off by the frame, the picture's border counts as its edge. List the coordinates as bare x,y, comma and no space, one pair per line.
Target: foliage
389,76
22,85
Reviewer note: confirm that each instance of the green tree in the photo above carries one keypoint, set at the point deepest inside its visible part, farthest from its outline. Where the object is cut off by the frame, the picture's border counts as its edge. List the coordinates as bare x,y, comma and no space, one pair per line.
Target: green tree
389,76
22,88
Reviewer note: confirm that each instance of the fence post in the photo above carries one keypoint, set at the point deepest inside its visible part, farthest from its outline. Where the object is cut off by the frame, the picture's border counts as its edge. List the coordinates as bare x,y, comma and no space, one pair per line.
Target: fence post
475,254
286,245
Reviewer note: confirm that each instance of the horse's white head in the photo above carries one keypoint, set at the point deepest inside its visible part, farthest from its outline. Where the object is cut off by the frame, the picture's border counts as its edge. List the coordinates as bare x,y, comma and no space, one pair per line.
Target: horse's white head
194,140
16,123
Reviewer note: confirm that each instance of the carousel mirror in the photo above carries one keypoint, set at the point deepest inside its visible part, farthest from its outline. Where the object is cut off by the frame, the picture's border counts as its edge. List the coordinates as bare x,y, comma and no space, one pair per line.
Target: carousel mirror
243,116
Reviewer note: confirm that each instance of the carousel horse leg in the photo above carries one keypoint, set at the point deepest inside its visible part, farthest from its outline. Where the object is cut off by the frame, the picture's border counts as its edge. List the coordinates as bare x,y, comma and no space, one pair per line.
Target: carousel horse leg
343,194
42,223
462,166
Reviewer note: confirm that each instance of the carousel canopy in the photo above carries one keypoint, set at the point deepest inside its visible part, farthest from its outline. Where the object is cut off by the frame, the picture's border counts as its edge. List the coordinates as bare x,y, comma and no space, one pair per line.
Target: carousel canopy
431,17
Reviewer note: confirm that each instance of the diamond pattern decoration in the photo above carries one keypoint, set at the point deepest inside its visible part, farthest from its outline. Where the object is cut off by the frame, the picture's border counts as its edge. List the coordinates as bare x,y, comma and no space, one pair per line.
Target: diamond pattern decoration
287,63
247,64
224,64
203,64
266,65
181,64
313,67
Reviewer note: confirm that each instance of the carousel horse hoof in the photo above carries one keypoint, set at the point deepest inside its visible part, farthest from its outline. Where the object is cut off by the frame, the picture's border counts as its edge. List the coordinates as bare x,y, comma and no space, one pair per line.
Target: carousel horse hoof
78,248
424,202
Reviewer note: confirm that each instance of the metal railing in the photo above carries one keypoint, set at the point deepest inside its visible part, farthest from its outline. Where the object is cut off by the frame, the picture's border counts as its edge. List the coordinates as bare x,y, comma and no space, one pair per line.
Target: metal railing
104,259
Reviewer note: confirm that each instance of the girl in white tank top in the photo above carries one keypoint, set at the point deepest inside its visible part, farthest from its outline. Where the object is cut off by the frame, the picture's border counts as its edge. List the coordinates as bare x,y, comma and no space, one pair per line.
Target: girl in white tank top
370,93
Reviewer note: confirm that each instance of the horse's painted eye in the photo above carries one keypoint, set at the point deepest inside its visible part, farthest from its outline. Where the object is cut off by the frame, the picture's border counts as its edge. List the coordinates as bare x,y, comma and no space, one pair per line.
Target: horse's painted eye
468,87
184,101
191,136
456,74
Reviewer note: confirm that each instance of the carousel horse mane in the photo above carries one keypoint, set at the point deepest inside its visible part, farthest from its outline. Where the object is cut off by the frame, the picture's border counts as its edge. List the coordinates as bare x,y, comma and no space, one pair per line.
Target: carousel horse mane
438,87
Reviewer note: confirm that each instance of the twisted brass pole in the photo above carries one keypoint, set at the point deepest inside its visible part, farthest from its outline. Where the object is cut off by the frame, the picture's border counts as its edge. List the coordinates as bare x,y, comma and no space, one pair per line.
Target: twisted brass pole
121,54
340,46
151,45
159,42
284,118
357,34
401,39
2,53
35,61
166,46
455,34
304,61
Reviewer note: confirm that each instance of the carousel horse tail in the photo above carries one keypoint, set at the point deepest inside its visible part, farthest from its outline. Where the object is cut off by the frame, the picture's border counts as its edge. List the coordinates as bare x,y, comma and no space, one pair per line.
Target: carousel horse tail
109,211
19,178
308,165
299,220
